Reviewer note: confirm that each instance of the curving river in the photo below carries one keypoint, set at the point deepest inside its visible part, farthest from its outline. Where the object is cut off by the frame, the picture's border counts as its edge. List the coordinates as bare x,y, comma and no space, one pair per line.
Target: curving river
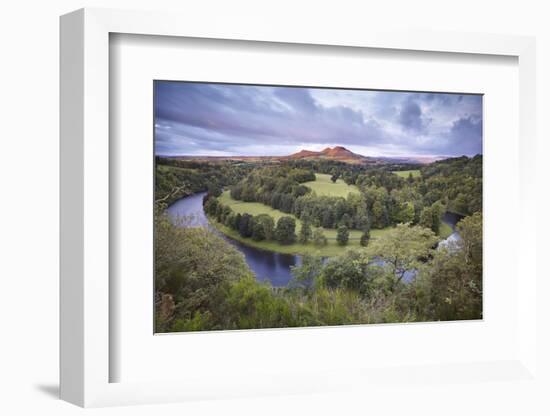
266,265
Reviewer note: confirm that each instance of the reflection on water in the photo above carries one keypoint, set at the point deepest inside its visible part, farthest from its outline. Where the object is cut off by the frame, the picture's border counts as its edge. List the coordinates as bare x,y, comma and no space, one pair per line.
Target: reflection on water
451,219
267,265
189,209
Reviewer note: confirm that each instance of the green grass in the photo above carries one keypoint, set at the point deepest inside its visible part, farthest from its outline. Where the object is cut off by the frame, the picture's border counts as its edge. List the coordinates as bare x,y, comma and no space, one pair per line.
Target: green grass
330,250
322,185
167,168
256,208
405,173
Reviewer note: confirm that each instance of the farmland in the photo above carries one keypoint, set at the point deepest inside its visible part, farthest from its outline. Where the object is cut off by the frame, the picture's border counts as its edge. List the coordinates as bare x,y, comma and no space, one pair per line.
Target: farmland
405,173
322,185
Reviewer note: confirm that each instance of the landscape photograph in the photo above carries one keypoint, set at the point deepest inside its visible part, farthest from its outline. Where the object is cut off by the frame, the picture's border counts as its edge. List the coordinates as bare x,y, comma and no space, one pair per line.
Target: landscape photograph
291,206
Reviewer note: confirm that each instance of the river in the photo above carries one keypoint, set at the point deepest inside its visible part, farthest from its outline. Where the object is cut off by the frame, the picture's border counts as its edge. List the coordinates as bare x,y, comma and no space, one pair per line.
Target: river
266,265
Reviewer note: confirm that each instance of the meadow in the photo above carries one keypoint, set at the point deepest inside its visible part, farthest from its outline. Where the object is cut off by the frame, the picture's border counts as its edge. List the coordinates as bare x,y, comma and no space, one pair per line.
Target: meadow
322,186
405,173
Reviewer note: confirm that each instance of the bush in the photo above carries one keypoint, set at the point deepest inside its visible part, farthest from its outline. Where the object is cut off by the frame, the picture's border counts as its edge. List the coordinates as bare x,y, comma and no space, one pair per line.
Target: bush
319,238
365,237
342,235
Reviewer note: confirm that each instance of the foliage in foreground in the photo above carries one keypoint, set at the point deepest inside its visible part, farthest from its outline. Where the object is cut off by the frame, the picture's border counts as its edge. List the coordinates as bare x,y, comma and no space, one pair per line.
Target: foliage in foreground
203,283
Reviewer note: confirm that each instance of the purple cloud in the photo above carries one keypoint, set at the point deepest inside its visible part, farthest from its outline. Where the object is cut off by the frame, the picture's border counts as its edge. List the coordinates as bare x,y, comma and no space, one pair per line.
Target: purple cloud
200,118
411,117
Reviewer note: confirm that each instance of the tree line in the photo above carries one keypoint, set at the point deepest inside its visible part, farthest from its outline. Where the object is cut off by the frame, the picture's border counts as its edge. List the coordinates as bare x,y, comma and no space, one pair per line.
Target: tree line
262,227
176,178
455,182
374,207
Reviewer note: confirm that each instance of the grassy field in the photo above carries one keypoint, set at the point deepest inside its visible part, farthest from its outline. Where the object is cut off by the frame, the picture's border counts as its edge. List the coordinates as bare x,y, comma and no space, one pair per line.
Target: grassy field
166,168
405,173
324,186
330,250
255,208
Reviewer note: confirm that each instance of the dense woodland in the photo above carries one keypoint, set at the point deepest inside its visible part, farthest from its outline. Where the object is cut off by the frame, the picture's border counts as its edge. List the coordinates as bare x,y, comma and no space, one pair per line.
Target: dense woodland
384,200
204,283
175,179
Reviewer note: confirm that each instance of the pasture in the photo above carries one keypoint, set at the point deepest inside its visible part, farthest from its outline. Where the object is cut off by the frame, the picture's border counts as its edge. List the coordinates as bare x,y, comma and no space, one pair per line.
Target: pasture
405,173
324,186
255,208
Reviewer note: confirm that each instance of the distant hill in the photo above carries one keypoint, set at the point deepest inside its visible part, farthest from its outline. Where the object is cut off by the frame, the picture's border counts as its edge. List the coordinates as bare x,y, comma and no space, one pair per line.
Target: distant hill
337,153
342,154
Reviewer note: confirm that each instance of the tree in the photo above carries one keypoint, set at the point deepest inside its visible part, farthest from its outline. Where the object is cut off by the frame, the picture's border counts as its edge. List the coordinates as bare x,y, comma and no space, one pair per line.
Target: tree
194,267
378,214
470,230
327,220
319,238
361,222
214,189
252,305
345,220
403,249
342,235
305,232
437,212
267,224
365,237
454,278
406,213
460,204
310,268
258,232
237,222
245,225
430,217
348,271
426,218
211,206
230,220
287,203
285,230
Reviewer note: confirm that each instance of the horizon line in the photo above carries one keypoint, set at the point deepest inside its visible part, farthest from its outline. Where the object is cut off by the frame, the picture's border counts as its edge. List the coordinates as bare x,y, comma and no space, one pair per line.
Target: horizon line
283,156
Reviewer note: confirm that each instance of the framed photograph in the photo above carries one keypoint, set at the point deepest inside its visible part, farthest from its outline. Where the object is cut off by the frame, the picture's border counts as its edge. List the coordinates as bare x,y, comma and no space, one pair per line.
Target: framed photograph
270,214
267,212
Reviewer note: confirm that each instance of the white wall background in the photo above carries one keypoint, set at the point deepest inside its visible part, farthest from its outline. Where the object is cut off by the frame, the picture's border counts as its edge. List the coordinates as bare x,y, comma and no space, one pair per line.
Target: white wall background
29,56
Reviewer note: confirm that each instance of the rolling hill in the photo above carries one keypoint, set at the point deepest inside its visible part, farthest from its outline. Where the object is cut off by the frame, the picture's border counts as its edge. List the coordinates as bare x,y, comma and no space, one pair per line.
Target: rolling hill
337,153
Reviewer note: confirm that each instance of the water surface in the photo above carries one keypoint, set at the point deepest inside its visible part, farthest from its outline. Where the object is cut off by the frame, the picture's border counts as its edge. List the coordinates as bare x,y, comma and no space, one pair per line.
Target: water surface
266,265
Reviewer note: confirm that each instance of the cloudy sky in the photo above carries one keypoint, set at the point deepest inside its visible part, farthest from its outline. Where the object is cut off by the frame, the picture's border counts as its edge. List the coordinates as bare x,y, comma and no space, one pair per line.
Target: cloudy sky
243,120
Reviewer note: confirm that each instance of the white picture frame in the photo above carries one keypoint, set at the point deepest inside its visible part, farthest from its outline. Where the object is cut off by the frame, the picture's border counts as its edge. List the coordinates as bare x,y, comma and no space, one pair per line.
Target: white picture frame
85,211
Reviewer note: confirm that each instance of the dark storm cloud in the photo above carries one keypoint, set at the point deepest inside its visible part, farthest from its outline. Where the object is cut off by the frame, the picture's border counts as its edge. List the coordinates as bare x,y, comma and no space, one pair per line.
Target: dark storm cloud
197,118
465,134
411,117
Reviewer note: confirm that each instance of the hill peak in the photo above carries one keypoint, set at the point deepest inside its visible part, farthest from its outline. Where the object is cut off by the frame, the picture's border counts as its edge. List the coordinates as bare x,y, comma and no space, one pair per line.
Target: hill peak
334,153
337,150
